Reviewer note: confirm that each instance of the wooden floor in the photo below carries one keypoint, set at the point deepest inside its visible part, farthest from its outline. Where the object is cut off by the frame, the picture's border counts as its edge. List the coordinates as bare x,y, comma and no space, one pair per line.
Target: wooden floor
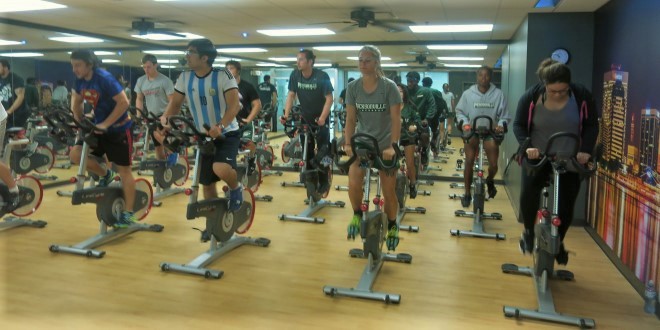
452,283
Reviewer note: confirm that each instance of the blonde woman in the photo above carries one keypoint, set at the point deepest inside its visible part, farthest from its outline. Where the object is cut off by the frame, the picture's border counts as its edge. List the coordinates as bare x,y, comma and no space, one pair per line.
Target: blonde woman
373,103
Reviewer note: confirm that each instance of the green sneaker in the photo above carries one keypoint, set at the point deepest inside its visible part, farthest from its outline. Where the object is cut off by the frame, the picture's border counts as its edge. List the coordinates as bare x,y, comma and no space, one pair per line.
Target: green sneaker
354,227
392,238
127,219
107,179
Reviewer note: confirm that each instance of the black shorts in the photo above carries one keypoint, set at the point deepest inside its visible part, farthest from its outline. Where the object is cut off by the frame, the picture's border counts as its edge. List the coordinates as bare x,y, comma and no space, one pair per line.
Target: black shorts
226,151
118,146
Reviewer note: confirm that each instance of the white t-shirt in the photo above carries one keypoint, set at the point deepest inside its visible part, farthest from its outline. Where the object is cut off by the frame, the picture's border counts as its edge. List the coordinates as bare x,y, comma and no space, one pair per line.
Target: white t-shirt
448,97
3,113
206,96
155,92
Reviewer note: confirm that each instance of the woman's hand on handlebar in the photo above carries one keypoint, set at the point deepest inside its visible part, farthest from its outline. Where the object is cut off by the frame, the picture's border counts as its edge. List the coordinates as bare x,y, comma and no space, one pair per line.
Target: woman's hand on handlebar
283,120
533,153
388,154
583,157
499,129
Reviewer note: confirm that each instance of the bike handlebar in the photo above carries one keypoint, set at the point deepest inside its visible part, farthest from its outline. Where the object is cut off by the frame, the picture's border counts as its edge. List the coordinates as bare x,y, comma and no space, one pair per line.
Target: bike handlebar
482,131
560,156
370,152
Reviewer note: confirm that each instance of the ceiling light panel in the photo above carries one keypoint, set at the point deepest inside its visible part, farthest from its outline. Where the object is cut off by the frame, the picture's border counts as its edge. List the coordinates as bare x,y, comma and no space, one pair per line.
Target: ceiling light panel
451,28
296,32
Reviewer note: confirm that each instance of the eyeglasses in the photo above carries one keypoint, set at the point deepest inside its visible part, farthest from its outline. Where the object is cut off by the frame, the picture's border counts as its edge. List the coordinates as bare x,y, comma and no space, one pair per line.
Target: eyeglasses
191,51
559,92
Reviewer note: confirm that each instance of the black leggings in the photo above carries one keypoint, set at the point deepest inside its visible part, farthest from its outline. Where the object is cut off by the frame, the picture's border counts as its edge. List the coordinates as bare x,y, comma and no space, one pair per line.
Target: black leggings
530,202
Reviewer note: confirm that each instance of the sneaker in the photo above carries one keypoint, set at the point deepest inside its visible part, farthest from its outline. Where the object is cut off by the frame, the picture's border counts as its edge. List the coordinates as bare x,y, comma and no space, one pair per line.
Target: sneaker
12,203
172,159
526,243
252,165
236,198
127,218
466,200
562,255
354,227
413,190
107,179
392,238
492,191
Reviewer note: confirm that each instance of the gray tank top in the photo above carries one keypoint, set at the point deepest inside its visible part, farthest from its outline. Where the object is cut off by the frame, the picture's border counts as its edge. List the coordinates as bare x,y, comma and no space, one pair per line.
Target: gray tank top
546,122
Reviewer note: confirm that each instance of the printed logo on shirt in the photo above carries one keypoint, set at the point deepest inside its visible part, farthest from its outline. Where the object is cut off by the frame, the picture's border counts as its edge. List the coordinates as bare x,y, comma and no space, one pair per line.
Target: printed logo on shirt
484,105
212,92
371,107
307,86
5,93
91,96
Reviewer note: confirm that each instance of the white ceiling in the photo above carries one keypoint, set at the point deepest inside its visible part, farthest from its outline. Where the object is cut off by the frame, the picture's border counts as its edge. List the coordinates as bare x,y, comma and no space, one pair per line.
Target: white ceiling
224,21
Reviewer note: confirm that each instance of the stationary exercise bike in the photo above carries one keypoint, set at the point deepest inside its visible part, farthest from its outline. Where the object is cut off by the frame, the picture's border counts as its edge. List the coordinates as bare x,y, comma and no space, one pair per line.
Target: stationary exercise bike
403,183
32,156
109,200
310,173
547,240
30,190
372,225
250,177
221,224
164,175
482,132
264,151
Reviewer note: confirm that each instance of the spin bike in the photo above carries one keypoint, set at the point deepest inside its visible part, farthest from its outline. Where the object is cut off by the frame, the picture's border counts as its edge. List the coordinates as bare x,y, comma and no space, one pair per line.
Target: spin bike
372,226
251,179
30,191
109,200
403,184
309,175
164,175
264,151
547,239
32,156
221,223
479,196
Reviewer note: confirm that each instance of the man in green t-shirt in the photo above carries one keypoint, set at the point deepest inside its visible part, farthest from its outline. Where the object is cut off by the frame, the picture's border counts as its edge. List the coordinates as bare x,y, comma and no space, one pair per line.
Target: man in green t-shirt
423,99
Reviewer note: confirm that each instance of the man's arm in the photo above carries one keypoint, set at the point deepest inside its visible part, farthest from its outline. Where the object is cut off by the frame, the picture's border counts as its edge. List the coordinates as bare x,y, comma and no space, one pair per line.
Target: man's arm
139,101
173,107
289,103
20,97
256,108
120,108
326,109
76,105
233,107
273,99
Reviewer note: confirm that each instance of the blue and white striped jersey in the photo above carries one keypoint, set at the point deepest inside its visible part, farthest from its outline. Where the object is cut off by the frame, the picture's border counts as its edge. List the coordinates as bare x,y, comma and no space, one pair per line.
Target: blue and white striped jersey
206,96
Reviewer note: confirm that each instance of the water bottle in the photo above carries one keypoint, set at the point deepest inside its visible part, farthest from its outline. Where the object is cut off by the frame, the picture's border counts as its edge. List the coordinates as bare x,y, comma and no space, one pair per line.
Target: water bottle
649,298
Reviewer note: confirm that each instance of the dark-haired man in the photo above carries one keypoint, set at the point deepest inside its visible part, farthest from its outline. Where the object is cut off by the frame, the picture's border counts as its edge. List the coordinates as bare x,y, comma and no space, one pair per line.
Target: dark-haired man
12,95
212,96
424,102
156,90
268,96
100,90
314,90
440,114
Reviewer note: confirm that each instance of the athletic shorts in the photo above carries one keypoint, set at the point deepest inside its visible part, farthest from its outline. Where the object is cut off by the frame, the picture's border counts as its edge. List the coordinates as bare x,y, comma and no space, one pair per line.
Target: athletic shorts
226,151
117,146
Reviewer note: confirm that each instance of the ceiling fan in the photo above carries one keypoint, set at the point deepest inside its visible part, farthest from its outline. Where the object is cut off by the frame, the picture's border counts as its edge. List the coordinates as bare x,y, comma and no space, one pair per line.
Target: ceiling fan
362,18
143,26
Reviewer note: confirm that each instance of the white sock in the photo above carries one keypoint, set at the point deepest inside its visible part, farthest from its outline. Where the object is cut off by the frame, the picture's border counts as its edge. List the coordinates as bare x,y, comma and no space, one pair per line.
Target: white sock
14,190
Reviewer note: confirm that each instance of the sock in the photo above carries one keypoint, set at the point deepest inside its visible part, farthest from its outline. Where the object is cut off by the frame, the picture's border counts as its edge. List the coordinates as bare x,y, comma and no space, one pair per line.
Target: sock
14,190
391,224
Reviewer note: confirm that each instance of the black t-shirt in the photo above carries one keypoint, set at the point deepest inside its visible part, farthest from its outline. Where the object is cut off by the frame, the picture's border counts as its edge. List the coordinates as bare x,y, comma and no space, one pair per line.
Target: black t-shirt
246,94
266,91
8,87
311,92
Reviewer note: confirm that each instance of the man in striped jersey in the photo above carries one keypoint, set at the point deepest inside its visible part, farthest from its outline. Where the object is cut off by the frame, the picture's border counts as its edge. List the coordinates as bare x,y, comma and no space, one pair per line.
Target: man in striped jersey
212,96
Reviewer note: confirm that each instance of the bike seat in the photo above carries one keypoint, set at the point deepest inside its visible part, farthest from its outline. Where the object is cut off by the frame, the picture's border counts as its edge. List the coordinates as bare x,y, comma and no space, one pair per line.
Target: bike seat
15,131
